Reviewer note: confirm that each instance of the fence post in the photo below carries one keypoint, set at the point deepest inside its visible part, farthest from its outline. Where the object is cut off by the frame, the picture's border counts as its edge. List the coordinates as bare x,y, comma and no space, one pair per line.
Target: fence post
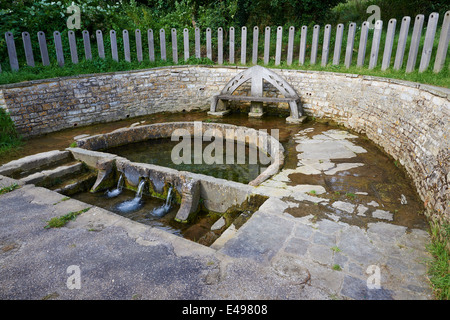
362,44
197,43
87,45
401,45
415,42
12,53
73,47
162,44
326,45
113,37
43,48
302,53
428,43
220,45
231,45
338,44
174,45
186,44
267,45
255,45
290,52
375,44
387,53
137,35
151,45
59,49
278,46
100,46
350,44
444,38
126,45
28,50
315,43
208,44
244,45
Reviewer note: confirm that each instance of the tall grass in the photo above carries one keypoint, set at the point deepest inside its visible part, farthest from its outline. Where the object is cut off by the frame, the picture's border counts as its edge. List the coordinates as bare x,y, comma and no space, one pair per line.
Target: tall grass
439,266
9,138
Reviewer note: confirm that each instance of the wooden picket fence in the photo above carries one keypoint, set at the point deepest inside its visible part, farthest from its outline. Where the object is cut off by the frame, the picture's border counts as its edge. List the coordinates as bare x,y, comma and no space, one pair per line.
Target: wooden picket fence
426,56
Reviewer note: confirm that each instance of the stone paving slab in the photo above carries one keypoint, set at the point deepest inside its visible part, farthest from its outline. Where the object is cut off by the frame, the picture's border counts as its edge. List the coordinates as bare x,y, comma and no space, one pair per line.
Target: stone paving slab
122,259
323,244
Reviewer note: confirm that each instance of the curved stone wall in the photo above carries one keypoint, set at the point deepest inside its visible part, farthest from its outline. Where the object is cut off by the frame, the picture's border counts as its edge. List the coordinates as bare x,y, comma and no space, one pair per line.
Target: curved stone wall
410,121
257,139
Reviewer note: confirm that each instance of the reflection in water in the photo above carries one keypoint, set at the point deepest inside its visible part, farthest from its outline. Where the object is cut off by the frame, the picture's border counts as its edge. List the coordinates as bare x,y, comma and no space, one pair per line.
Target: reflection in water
159,152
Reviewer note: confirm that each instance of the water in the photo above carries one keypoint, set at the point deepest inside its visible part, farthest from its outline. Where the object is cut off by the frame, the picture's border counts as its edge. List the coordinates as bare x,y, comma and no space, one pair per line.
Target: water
161,211
193,230
134,204
118,190
159,152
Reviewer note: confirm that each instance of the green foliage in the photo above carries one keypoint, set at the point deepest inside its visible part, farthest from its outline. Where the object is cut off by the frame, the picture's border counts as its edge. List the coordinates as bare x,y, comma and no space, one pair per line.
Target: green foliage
355,10
8,135
59,222
10,188
337,267
439,266
335,249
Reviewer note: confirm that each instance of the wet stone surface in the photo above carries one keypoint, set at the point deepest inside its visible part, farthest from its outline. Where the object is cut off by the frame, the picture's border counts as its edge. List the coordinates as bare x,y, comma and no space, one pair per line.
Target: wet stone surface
346,214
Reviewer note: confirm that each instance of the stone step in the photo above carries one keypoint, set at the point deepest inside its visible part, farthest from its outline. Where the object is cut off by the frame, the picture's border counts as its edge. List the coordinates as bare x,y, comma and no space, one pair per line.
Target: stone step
53,176
29,165
76,184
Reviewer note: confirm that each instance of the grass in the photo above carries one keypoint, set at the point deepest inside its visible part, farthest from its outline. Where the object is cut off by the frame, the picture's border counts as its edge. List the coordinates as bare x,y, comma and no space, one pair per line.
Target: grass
350,195
59,222
439,265
10,188
335,249
336,267
96,65
9,139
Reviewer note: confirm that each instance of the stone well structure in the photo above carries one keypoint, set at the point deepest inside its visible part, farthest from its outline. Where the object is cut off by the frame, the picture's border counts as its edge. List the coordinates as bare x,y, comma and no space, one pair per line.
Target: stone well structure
410,121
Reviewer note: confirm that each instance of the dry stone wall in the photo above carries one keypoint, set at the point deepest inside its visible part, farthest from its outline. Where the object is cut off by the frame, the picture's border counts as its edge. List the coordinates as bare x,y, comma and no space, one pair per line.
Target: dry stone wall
410,121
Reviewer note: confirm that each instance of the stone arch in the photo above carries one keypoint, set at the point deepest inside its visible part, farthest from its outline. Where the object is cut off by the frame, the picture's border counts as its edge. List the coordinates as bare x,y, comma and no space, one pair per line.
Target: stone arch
257,75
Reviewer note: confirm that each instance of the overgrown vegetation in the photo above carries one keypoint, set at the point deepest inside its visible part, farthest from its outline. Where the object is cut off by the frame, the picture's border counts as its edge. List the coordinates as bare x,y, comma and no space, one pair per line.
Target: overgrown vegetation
59,222
439,266
9,139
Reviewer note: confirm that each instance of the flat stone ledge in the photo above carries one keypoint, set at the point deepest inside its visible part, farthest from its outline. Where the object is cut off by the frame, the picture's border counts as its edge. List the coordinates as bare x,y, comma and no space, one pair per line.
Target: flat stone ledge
296,120
219,113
